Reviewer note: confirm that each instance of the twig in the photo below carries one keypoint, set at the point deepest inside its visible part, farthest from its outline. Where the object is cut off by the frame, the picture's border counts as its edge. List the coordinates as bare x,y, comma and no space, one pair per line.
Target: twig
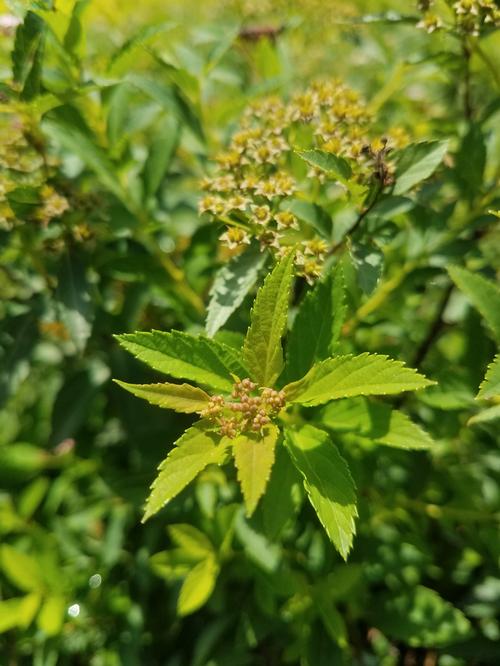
434,331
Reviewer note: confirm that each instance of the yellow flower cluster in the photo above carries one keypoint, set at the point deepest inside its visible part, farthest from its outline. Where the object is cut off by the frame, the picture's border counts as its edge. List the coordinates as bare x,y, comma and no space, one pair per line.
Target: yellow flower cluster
249,408
470,16
256,184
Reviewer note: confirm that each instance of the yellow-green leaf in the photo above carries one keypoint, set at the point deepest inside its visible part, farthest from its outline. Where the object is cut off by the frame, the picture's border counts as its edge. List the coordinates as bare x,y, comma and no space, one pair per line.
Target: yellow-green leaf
262,352
21,569
18,612
490,387
254,458
51,616
198,586
196,449
348,376
180,397
484,295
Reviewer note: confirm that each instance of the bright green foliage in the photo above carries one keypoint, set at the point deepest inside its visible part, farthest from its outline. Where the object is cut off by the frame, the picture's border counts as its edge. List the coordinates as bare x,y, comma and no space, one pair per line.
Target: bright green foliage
262,352
482,293
349,376
180,397
328,483
197,586
184,356
490,388
196,449
254,459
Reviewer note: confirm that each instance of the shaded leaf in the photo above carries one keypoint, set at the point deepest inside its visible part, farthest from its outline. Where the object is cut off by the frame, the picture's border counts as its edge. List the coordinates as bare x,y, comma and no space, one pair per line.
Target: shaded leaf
232,283
482,293
317,325
160,156
280,500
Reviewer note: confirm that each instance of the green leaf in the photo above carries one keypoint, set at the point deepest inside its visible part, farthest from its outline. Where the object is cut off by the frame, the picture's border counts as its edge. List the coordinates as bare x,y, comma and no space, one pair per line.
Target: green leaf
332,164
160,155
487,415
254,458
328,483
180,397
73,299
281,499
51,617
375,421
312,214
317,325
262,352
417,162
483,294
490,386
193,542
185,356
368,260
419,617
198,586
348,376
18,612
27,55
232,283
193,451
63,130
21,569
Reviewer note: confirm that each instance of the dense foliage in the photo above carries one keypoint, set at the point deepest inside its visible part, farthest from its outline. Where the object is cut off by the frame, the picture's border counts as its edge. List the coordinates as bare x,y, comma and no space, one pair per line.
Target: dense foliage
289,213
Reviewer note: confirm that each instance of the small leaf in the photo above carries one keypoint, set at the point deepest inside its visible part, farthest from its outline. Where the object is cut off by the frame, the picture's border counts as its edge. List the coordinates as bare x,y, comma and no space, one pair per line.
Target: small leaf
51,616
18,612
483,294
180,397
490,387
328,483
27,55
73,300
21,569
375,421
195,449
368,259
417,162
160,155
348,376
317,325
262,352
232,283
254,458
487,415
332,164
185,356
198,586
190,540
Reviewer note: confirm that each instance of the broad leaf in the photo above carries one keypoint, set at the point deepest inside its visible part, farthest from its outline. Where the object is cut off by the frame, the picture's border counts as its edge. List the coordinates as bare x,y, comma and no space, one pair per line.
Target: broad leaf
184,356
232,283
328,483
317,325
192,541
160,156
180,397
198,586
375,421
482,293
348,376
254,458
368,259
328,162
417,162
27,55
262,352
196,449
490,387
18,612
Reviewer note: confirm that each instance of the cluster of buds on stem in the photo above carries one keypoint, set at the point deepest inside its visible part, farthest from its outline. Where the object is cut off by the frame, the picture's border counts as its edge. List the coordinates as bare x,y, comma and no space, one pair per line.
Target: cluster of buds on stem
248,408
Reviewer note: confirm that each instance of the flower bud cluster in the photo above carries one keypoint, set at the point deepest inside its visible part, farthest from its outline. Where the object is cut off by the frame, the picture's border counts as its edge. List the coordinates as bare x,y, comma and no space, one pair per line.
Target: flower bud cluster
256,182
248,408
471,16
